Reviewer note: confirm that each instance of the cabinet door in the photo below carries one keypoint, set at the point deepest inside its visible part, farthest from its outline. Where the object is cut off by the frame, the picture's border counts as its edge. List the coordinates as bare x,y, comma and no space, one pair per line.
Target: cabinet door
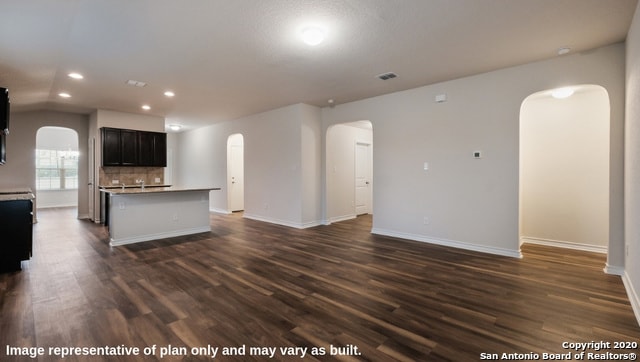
128,147
111,147
160,150
145,148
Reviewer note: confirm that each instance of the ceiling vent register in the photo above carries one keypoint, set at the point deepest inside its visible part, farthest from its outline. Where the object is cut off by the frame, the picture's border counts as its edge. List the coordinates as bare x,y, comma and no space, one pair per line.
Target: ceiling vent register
387,76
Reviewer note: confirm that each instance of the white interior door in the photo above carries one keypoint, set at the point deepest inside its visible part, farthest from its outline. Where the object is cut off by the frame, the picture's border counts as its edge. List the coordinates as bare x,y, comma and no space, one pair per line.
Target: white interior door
236,177
363,178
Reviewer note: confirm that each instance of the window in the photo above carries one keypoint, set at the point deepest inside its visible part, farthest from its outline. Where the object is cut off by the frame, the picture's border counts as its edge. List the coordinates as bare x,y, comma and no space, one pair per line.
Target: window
56,170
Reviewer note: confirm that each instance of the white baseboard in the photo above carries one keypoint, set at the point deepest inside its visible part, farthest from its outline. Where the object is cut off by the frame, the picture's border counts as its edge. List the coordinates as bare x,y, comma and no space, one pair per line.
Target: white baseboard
340,218
219,211
565,244
634,298
614,270
83,216
283,222
450,243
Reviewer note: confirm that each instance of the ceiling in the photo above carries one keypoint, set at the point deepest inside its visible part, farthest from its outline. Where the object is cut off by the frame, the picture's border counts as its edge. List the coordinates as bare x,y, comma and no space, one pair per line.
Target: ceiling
226,59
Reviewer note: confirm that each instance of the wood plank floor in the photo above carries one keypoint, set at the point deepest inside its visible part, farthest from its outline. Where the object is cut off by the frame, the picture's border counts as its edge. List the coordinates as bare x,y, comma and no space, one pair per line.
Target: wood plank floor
254,284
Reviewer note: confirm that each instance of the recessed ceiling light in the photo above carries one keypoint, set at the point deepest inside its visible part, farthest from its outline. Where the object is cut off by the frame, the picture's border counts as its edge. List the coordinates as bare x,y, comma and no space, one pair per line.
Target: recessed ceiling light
175,127
146,107
561,93
75,75
169,94
313,35
64,95
563,50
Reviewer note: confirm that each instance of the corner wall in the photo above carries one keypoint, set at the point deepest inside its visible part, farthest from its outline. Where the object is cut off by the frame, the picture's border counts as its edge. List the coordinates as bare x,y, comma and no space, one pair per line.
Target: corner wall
473,203
631,275
19,171
281,162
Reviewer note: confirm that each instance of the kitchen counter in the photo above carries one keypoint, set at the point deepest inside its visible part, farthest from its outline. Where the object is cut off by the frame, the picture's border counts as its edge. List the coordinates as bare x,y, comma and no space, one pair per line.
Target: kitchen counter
152,189
16,194
135,214
16,227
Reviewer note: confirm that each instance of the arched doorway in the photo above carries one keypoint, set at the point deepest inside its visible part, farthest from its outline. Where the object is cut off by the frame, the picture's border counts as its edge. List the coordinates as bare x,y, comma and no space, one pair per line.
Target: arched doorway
235,173
349,170
56,163
564,168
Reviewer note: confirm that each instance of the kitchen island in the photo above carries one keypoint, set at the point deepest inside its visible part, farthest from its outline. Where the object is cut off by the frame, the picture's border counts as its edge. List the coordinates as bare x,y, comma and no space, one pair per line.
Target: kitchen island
141,214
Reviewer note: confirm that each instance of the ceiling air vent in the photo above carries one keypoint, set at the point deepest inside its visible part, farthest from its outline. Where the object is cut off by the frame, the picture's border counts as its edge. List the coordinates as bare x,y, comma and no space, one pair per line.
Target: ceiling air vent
386,76
136,83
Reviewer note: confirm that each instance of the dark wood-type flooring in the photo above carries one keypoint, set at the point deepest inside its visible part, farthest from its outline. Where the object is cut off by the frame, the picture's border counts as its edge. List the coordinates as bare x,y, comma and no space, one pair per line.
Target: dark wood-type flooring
249,283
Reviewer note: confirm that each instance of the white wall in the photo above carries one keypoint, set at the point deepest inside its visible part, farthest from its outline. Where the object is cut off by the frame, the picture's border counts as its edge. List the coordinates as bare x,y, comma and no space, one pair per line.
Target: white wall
278,164
19,171
632,165
340,169
473,203
564,160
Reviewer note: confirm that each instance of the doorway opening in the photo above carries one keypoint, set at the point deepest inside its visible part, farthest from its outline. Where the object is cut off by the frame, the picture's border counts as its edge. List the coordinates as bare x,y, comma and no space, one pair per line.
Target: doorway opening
56,166
235,173
564,169
349,170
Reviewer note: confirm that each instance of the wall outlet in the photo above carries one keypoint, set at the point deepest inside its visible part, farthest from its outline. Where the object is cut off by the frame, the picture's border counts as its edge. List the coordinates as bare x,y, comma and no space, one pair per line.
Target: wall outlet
157,180
426,220
175,216
115,182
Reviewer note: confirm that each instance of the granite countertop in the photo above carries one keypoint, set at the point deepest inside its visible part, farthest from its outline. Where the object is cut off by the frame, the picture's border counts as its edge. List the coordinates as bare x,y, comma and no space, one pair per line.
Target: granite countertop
16,194
151,190
134,186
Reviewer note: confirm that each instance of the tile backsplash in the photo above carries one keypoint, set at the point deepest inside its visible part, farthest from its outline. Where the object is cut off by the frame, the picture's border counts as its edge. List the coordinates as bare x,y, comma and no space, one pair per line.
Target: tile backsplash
129,175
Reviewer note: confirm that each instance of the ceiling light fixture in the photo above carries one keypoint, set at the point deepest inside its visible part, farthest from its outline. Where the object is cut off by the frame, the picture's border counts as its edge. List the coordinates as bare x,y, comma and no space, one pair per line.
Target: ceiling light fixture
75,75
563,50
175,127
313,35
562,93
169,93
146,107
64,95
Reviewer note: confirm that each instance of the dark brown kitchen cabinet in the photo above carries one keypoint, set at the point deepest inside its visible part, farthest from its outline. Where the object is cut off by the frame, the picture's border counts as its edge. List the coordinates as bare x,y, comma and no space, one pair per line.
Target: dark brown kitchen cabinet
152,149
111,152
16,225
129,147
125,147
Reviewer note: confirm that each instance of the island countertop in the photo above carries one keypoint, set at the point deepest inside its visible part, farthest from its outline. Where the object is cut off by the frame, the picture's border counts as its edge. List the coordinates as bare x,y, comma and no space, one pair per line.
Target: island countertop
153,190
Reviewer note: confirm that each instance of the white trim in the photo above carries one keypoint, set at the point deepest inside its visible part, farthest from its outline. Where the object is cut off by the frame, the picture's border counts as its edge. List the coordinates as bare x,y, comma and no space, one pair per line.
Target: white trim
305,225
165,235
450,243
564,244
634,299
614,270
340,218
220,211
83,216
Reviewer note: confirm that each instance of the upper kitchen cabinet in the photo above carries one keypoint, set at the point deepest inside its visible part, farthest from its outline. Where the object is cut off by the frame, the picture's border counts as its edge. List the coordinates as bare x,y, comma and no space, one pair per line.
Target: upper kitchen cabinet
152,149
124,147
